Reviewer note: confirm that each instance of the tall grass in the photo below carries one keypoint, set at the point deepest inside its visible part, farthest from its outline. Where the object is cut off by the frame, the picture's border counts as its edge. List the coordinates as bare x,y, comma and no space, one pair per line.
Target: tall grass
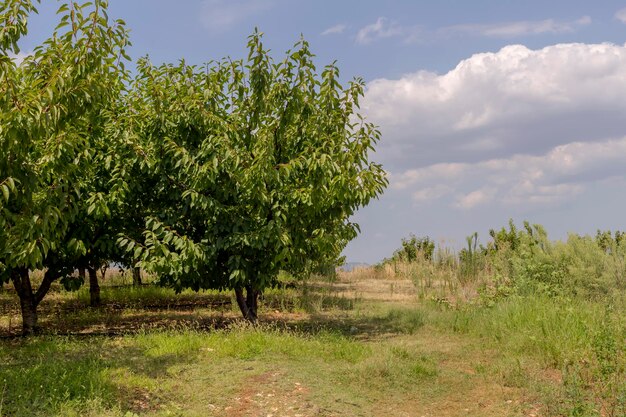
522,262
562,303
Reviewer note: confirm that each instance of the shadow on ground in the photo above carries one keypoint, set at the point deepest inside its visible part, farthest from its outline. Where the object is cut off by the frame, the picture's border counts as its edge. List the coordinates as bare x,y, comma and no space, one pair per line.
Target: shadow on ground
41,374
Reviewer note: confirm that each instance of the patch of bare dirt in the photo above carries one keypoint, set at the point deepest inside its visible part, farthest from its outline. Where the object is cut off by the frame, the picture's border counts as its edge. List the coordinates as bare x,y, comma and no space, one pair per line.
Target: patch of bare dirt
484,400
271,395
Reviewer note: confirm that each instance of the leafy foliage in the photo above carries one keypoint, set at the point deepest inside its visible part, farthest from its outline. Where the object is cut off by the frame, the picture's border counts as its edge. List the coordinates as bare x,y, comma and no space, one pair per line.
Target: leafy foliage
523,261
253,167
50,106
212,177
415,247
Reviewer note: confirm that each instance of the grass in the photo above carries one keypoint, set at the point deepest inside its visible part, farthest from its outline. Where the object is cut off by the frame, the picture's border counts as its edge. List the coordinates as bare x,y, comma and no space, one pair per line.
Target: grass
367,344
110,376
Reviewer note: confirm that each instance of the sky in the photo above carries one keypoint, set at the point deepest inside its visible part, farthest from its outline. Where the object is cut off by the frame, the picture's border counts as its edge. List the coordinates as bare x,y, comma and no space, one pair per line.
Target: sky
489,110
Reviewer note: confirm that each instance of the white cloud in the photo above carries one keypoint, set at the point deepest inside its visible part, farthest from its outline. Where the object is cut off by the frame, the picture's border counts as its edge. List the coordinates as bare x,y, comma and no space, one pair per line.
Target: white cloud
219,15
475,198
335,30
521,28
431,193
382,28
385,28
445,171
494,105
517,133
556,176
621,15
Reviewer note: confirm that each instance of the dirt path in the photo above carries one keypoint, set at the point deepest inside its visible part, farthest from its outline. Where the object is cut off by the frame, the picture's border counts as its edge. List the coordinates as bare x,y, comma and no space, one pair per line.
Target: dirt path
460,388
272,395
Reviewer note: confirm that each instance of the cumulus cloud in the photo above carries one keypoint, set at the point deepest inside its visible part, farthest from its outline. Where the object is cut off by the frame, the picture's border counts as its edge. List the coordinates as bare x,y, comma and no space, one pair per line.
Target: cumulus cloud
494,105
621,15
475,198
554,177
382,28
335,30
517,133
521,28
429,194
219,15
517,127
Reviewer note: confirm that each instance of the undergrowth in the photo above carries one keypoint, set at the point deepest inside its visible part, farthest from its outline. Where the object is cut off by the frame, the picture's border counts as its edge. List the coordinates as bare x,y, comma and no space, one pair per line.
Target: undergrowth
562,304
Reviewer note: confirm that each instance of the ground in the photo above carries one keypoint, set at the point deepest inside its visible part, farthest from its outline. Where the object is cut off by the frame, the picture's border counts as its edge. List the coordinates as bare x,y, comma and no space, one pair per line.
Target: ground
358,346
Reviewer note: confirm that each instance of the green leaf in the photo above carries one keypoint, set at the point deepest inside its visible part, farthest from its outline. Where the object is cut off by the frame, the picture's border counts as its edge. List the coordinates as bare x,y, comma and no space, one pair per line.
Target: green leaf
5,192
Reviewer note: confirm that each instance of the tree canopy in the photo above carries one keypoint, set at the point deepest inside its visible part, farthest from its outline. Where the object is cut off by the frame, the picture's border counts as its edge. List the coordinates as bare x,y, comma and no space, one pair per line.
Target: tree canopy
53,104
214,176
255,166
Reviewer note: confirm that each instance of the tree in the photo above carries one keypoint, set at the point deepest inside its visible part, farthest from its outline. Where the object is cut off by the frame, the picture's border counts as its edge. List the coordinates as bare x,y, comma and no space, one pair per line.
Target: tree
254,167
415,248
104,214
50,106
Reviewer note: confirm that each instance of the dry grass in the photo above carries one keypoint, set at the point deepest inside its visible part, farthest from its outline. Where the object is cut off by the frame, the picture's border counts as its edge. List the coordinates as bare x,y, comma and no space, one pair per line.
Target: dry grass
374,285
366,344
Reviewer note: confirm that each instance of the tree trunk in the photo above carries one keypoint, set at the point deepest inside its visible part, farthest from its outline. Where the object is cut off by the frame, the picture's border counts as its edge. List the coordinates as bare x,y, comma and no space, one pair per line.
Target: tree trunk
81,274
21,281
248,304
29,300
94,287
136,276
252,300
29,315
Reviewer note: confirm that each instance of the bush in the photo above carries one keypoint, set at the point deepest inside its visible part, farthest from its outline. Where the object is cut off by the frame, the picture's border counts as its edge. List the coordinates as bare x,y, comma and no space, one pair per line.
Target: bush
520,261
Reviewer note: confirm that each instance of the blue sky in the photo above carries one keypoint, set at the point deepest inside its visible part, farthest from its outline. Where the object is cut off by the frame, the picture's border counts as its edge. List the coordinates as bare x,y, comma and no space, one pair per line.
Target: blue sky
489,110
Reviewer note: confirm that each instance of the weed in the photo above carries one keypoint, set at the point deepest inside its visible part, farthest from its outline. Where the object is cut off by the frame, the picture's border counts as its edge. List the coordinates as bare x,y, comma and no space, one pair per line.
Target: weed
403,320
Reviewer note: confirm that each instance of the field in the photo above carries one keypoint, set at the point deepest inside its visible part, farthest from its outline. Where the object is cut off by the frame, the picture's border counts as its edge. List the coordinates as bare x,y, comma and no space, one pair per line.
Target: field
371,342
245,175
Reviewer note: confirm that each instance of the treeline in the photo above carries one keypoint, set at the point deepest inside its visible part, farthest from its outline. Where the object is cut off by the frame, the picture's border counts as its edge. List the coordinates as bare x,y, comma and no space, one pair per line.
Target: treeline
216,176
524,261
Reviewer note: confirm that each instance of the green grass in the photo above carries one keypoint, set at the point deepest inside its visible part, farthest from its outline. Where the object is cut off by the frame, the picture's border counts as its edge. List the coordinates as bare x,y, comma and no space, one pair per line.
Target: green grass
41,376
319,351
584,341
109,376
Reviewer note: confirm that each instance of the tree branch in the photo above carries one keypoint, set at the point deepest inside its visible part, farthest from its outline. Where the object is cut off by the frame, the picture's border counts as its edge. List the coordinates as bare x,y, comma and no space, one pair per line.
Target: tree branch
49,277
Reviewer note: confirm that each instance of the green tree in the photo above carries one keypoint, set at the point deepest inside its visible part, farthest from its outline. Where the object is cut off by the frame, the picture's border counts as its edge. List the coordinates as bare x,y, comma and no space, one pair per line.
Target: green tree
253,167
50,106
110,209
415,248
